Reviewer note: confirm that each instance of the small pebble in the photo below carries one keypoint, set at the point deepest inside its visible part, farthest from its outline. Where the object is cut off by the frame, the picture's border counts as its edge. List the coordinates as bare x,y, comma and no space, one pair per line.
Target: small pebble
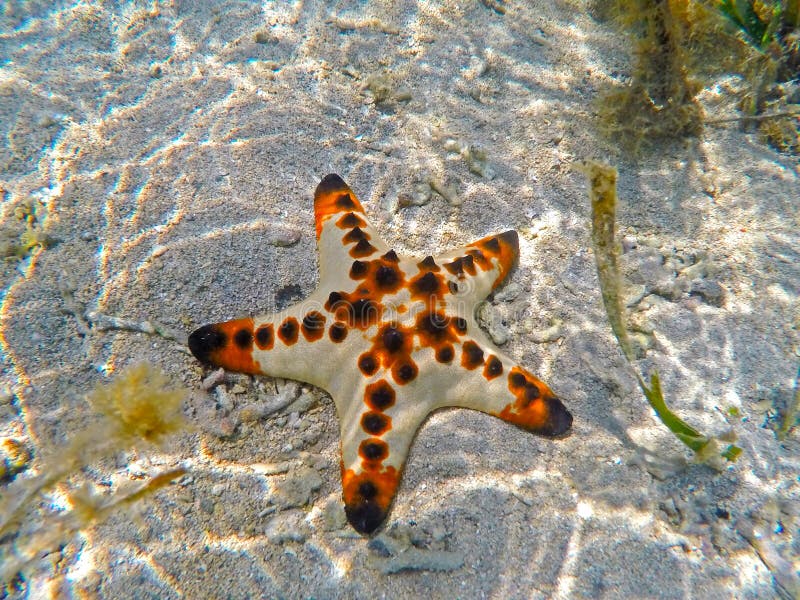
710,291
290,526
629,243
207,505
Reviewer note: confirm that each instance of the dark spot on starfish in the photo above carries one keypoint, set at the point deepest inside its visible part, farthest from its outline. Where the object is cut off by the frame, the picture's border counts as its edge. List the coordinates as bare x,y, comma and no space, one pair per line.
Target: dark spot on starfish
434,326
493,369
337,332
386,277
517,380
472,355
362,249
375,423
453,287
460,265
334,299
367,364
358,269
545,415
455,267
392,339
355,235
205,340
427,264
350,220
367,490
288,331
243,339
425,284
362,312
531,393
344,201
405,372
480,258
468,262
445,354
313,326
224,345
461,324
492,244
265,337
391,256
373,449
379,395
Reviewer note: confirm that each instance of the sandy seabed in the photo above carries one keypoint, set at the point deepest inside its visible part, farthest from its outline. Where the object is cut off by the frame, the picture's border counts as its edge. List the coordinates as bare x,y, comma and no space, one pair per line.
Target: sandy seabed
171,150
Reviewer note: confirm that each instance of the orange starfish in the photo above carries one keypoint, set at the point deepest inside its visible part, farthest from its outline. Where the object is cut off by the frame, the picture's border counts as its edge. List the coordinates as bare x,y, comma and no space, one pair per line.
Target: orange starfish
391,339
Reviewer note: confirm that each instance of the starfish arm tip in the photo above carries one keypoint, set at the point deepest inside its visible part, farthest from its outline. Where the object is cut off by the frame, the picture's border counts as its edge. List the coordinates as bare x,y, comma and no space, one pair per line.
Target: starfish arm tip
330,183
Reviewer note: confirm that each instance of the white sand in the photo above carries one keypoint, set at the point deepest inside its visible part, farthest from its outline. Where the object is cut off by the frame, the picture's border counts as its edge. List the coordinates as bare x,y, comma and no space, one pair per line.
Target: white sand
176,194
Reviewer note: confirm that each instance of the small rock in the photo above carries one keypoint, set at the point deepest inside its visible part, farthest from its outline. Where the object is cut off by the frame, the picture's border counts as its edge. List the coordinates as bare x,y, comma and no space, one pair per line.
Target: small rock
14,458
207,505
446,190
645,266
415,559
224,399
333,516
477,162
508,293
438,533
629,243
302,404
296,489
290,526
451,145
378,546
217,489
286,396
490,319
311,437
419,196
213,379
634,294
710,291
544,336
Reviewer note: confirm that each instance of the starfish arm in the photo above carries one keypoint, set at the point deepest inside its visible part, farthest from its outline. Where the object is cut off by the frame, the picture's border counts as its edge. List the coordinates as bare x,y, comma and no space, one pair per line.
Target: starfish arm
344,233
492,383
474,271
376,435
305,342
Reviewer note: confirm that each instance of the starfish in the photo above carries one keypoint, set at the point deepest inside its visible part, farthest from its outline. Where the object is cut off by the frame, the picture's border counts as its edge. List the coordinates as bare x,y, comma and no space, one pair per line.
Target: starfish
391,339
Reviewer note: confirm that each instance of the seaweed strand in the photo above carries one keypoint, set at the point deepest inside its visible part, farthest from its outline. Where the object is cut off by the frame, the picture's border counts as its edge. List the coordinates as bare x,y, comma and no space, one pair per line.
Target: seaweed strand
603,195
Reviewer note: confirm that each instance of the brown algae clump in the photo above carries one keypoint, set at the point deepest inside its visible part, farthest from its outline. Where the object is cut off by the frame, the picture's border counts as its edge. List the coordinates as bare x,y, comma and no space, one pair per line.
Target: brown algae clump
659,101
139,404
